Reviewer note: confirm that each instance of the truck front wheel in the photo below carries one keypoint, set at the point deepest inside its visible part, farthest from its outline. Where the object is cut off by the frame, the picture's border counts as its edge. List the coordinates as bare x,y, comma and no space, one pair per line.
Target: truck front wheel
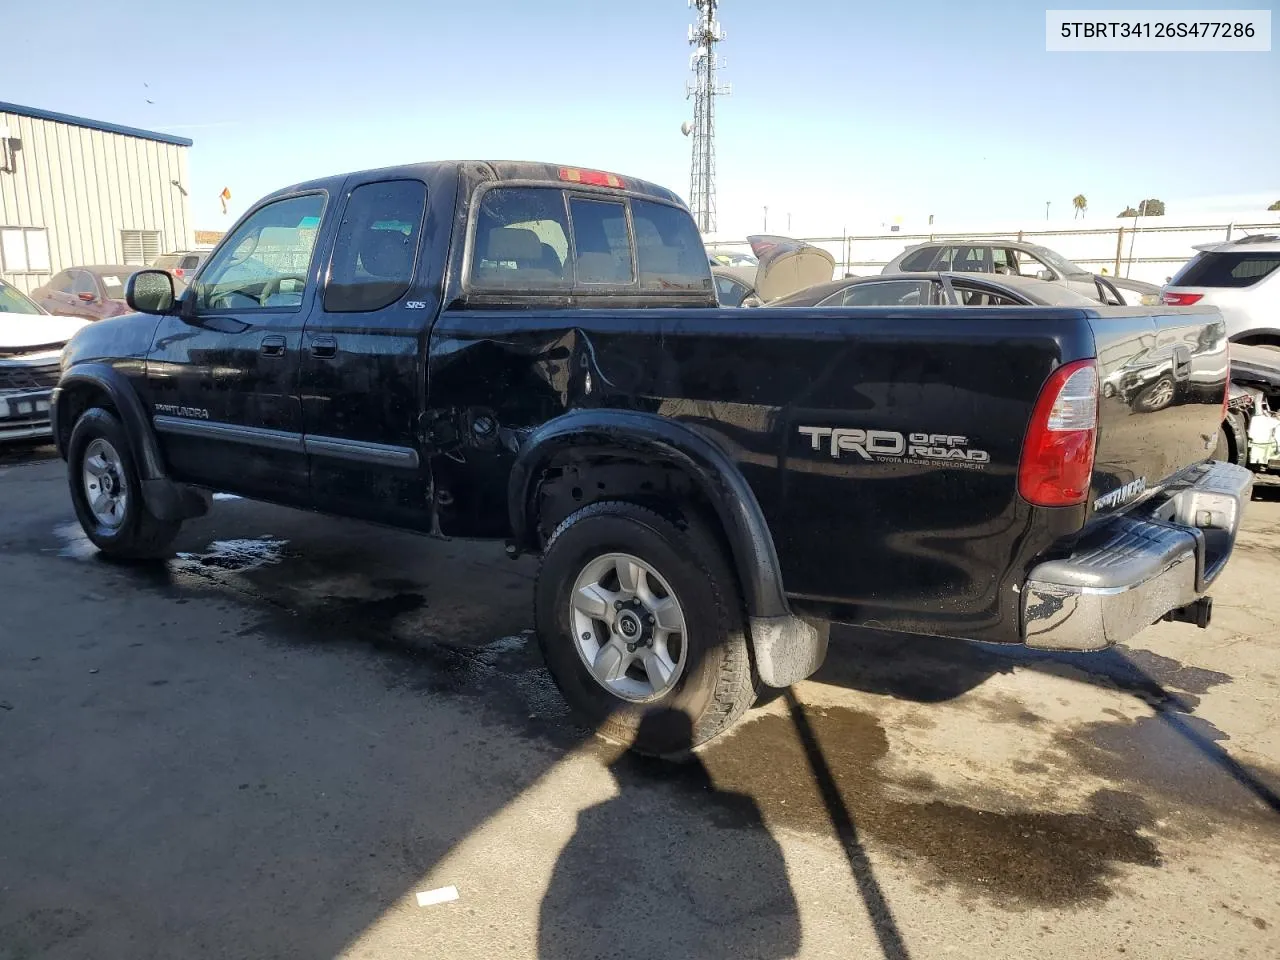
638,614
106,492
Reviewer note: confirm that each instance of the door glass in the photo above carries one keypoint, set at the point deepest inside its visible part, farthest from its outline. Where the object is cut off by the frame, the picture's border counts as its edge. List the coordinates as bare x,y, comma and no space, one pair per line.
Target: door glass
893,293
61,283
602,247
83,283
264,264
374,255
731,292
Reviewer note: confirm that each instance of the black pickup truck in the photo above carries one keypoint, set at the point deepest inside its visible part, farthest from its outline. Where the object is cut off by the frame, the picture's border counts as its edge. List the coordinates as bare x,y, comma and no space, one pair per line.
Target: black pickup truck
535,353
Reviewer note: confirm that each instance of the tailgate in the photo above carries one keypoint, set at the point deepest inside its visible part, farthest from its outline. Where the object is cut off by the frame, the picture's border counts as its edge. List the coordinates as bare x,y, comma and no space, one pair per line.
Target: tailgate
1162,377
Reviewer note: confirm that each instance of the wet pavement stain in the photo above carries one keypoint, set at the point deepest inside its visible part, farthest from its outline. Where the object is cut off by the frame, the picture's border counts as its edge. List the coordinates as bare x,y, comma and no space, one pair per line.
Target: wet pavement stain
1014,857
1181,761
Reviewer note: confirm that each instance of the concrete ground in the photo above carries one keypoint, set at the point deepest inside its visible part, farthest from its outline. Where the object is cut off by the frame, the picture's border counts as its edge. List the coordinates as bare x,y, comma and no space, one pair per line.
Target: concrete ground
266,746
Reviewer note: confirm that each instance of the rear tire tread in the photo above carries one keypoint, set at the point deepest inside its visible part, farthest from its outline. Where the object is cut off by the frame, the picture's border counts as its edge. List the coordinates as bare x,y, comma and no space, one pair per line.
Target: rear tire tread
737,683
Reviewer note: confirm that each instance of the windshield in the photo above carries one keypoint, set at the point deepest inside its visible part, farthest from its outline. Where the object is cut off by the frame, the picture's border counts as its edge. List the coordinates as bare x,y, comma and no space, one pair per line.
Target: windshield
1060,263
14,301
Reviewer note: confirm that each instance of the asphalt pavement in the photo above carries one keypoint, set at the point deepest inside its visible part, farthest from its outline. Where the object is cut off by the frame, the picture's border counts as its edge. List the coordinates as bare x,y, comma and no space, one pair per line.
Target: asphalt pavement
271,743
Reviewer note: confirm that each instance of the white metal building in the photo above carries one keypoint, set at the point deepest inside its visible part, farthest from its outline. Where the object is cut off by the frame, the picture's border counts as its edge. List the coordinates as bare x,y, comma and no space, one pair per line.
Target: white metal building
77,192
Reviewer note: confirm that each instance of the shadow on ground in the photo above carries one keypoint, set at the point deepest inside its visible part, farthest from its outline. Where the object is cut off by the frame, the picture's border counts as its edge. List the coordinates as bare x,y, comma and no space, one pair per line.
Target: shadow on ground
259,747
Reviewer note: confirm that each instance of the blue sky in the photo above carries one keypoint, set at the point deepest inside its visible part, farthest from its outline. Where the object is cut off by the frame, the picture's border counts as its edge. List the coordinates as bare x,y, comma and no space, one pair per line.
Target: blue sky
842,114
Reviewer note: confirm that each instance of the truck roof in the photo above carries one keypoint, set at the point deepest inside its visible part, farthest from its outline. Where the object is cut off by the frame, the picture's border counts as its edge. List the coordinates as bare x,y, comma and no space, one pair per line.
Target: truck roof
516,170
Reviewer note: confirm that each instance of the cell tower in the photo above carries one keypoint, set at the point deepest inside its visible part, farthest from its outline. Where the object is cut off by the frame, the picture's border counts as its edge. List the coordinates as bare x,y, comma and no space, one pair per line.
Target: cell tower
703,37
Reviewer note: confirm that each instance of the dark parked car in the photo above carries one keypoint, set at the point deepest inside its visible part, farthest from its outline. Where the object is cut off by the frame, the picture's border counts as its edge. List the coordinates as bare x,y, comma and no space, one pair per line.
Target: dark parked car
534,353
93,293
944,289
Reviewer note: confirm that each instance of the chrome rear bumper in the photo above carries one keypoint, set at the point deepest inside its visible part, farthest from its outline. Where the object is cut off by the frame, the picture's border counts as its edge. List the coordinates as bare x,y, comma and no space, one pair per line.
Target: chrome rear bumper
1144,564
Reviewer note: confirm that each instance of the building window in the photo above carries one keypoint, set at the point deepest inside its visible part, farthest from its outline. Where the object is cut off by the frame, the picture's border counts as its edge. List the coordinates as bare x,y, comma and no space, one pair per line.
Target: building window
24,250
140,247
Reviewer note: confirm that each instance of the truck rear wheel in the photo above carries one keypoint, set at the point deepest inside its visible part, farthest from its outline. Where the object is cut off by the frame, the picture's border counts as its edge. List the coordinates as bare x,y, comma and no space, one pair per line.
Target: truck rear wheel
640,615
107,493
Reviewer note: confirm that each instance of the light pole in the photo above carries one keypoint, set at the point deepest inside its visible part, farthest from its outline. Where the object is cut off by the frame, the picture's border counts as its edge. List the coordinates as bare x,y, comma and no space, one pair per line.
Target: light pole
766,219
1046,209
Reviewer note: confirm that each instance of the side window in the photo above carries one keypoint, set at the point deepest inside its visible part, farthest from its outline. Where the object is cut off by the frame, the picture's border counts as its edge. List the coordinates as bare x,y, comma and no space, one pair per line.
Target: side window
82,282
1004,261
920,260
890,293
978,297
602,248
264,264
972,260
375,252
731,292
669,250
61,283
521,240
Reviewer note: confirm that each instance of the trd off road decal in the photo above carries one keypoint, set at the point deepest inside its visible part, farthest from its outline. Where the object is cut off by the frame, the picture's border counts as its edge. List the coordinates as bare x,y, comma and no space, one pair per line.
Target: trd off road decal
889,446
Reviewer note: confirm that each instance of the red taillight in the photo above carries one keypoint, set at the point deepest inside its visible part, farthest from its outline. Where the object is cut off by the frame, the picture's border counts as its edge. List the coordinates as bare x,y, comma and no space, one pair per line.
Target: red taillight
177,272
1180,299
592,178
1057,454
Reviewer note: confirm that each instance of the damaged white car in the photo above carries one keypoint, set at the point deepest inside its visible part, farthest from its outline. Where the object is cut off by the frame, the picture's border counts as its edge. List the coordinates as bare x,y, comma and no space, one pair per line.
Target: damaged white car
31,342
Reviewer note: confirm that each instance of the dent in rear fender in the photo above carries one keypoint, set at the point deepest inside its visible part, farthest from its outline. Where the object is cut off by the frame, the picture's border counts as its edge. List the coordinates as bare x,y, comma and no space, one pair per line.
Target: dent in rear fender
665,439
133,416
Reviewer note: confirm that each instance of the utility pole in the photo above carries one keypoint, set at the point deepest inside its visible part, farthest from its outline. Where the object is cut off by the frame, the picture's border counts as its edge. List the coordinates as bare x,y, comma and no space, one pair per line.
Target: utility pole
788,224
1046,209
704,34
766,220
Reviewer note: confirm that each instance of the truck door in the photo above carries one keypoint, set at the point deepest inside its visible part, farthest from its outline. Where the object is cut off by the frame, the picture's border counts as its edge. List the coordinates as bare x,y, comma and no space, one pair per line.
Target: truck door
222,375
363,377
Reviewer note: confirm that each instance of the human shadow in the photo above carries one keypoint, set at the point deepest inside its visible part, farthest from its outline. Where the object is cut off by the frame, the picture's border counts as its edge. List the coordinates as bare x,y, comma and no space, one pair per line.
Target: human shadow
669,868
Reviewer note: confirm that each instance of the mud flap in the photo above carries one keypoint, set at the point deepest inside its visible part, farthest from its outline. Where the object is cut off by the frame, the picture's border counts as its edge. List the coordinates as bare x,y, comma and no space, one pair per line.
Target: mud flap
788,649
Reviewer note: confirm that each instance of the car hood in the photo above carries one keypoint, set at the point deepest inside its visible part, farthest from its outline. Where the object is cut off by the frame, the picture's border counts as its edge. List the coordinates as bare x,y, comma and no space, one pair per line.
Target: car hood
36,330
787,266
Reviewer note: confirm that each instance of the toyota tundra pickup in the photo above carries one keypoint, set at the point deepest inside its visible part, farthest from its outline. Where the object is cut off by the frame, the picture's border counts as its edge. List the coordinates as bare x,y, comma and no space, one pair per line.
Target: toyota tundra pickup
534,353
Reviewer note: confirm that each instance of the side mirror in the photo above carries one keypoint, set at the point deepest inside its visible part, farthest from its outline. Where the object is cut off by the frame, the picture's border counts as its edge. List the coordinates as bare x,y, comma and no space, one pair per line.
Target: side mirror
1044,275
150,291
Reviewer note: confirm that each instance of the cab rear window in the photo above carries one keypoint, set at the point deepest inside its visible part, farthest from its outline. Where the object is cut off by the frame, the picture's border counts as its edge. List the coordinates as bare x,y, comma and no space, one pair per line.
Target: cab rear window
544,239
1227,269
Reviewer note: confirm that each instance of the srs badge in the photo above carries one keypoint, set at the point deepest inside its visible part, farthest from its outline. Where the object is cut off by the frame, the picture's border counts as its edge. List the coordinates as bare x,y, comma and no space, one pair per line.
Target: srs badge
889,446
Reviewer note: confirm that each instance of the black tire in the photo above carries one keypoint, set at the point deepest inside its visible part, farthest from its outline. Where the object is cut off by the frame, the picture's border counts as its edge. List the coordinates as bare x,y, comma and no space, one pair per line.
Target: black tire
1232,440
140,535
718,683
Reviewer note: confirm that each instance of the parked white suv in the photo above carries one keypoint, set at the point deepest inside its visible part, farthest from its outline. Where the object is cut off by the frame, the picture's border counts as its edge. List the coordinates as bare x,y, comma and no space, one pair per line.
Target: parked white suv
1241,278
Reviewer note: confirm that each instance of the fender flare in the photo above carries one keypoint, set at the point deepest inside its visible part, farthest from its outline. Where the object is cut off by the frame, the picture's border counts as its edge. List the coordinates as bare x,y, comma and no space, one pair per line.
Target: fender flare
788,648
165,499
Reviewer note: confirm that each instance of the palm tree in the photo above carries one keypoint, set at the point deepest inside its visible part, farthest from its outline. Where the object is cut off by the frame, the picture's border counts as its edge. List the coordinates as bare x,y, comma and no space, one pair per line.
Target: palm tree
1081,205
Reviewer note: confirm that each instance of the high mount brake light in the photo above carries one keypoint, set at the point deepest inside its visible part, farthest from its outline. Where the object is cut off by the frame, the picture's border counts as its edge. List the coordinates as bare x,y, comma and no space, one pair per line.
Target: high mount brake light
1056,468
592,178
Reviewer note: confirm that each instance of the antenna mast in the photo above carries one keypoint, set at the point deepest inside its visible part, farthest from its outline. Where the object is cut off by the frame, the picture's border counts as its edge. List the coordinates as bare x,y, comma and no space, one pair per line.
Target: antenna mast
704,34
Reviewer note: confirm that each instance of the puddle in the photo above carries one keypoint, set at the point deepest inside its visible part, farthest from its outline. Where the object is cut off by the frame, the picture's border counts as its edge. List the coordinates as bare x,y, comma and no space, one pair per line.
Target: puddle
1183,760
1015,857
74,543
233,556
